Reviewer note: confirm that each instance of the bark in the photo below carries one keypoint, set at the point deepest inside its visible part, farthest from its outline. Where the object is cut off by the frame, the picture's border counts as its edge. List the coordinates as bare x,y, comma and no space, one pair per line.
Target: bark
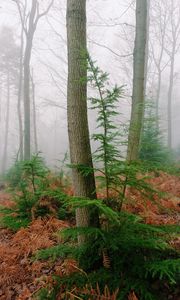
0,99
34,115
27,59
158,96
175,32
170,96
138,81
29,23
147,47
20,87
162,21
4,162
78,131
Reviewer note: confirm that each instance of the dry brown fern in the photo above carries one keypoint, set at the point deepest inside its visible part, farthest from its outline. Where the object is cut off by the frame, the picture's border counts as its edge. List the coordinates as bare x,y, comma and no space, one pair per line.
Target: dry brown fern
106,260
93,294
132,296
17,272
66,268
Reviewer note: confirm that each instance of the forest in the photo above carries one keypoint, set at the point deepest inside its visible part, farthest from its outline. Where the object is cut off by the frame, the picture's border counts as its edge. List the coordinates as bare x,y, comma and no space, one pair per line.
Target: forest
89,150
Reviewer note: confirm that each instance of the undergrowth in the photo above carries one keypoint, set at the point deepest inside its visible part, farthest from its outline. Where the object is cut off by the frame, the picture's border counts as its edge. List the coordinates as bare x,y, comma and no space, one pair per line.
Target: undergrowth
33,194
124,256
124,253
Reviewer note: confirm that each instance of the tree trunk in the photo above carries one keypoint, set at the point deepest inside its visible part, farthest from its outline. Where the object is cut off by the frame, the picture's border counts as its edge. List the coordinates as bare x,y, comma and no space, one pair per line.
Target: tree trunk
27,59
147,48
29,23
78,131
0,99
4,162
20,98
170,94
27,124
138,81
158,97
34,115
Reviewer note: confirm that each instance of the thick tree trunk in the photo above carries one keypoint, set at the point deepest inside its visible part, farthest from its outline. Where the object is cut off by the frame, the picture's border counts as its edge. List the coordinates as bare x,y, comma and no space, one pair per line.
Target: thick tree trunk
4,162
138,81
80,150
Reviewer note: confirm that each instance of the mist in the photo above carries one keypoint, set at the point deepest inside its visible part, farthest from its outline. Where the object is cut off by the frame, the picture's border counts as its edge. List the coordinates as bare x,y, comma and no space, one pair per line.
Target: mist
111,33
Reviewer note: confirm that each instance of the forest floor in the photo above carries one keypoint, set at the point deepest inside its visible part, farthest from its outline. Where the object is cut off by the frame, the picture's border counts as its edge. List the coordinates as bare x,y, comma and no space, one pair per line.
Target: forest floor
21,276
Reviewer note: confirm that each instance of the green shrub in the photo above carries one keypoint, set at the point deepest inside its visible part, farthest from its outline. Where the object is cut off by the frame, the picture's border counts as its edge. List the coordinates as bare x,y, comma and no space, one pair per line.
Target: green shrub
124,253
32,194
14,174
152,147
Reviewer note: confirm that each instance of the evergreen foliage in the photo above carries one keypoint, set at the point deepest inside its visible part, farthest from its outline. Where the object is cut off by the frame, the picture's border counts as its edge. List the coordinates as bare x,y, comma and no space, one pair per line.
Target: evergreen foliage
152,148
115,174
105,104
14,174
131,255
32,194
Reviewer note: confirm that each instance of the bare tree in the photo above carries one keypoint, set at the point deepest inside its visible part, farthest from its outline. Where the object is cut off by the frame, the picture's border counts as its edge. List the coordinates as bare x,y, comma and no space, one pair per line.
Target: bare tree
32,18
20,87
159,28
9,58
4,161
173,45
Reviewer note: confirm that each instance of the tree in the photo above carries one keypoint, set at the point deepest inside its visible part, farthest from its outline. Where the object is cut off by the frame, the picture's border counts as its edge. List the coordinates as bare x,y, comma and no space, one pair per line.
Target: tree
105,103
33,92
29,24
137,111
159,24
152,148
9,57
20,88
78,131
4,161
173,40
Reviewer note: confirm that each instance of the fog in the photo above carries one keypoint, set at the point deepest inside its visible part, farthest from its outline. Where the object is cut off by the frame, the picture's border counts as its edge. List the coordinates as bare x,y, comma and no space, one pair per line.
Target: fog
111,31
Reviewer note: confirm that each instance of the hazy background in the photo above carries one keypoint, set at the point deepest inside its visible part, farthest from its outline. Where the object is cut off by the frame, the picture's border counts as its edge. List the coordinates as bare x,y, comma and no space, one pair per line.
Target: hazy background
110,42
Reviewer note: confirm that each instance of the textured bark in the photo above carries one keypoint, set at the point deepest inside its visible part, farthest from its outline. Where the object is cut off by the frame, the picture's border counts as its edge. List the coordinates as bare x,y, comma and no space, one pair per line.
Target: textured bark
138,81
80,150
4,162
